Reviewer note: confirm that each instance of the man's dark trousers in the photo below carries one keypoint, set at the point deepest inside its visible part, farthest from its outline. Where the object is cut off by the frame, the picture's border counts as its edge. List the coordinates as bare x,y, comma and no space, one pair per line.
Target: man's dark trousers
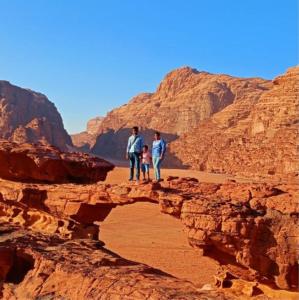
134,158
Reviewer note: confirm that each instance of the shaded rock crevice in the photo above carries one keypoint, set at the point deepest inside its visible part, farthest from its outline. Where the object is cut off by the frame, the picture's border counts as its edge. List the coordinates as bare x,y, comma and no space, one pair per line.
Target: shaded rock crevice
14,264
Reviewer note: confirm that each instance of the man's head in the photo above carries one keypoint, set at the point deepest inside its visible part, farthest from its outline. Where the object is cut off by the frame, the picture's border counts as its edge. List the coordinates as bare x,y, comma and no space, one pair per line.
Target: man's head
135,130
157,135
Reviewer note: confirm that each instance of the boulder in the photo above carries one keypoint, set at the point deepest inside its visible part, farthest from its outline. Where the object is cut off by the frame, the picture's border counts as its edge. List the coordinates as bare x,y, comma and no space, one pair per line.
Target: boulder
44,163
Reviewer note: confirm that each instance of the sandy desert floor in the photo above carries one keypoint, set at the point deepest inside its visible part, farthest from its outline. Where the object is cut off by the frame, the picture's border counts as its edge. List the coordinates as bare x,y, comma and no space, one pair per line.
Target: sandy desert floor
141,233
120,174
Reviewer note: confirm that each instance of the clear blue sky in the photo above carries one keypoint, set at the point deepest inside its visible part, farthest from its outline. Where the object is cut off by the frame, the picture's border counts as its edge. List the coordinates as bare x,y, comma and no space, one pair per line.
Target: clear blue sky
91,56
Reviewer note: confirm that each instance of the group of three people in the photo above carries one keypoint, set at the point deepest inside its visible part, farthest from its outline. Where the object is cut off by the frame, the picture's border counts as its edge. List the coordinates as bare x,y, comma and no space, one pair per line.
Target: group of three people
139,155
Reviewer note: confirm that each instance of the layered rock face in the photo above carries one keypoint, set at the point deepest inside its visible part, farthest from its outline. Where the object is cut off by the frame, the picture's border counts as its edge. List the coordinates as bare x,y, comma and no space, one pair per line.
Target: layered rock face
184,98
245,225
42,163
251,229
28,116
263,141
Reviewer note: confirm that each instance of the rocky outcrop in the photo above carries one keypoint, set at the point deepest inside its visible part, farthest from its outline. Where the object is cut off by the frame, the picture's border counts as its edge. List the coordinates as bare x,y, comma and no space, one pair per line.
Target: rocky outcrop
30,213
264,141
38,266
28,116
246,225
42,163
184,98
251,229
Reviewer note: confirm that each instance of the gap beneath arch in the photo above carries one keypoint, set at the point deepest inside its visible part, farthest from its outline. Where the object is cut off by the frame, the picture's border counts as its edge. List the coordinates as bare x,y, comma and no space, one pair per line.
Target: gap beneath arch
140,232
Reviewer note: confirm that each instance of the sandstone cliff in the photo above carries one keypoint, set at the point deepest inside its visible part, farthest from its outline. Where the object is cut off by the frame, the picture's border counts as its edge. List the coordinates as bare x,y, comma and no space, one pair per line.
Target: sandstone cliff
28,116
264,141
183,99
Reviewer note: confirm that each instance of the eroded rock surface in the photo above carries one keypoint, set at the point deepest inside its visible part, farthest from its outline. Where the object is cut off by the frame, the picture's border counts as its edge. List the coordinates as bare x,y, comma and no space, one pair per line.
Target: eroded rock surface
28,117
38,266
260,139
43,163
251,229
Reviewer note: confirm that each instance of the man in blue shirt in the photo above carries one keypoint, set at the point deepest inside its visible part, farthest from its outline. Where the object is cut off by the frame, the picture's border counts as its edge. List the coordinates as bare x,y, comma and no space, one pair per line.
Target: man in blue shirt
158,153
134,150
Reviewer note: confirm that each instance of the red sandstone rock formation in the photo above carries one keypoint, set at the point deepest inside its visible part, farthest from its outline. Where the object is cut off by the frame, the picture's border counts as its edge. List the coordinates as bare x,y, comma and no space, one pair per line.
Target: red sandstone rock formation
42,163
246,225
184,98
263,141
28,116
35,266
251,229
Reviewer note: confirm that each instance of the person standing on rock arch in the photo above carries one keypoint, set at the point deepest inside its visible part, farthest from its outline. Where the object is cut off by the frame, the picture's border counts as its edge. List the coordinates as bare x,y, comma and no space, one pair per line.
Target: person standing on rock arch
133,154
158,153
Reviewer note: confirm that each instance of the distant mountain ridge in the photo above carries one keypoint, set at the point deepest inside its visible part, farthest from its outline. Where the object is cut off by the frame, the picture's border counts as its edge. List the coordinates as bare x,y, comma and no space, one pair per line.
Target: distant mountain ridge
185,98
211,122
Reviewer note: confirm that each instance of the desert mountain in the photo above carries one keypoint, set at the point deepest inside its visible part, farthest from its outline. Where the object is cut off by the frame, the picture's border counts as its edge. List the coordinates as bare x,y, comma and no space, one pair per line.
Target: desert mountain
184,98
28,116
264,142
52,203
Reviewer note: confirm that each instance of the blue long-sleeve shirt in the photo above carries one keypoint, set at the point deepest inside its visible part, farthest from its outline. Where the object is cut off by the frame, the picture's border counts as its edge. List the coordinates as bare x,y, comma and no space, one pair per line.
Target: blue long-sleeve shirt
159,148
135,144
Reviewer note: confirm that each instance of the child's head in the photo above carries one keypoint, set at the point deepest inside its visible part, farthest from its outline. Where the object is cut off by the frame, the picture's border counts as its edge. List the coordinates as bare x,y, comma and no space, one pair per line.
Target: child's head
145,148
